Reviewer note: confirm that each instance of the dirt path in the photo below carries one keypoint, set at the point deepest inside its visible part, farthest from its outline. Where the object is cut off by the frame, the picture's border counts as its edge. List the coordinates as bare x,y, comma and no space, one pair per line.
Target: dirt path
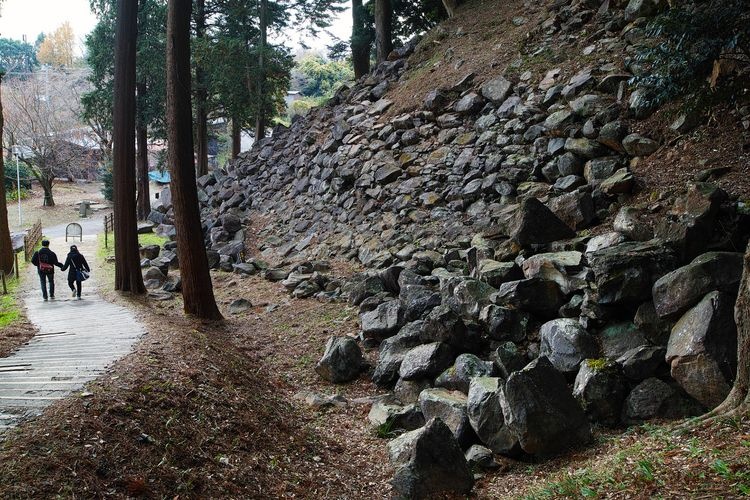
75,342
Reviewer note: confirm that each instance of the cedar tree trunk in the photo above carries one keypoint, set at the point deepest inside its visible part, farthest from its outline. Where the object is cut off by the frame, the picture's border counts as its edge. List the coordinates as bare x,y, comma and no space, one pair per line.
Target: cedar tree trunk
236,137
201,96
144,196
260,120
360,44
383,29
6,247
128,277
197,289
738,400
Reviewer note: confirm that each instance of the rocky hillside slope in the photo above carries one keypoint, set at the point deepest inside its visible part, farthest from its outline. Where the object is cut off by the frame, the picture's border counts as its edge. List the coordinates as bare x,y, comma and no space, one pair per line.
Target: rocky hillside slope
522,281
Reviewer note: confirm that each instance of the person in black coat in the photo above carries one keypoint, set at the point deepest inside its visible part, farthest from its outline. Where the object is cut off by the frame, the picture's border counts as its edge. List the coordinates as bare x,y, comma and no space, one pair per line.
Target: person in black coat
45,261
75,262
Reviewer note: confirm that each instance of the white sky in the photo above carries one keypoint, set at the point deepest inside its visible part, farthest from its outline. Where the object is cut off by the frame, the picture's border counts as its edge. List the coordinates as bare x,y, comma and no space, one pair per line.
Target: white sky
31,17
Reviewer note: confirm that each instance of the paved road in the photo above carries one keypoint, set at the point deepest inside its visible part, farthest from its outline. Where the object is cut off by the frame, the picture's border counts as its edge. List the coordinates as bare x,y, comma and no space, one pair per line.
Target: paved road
77,341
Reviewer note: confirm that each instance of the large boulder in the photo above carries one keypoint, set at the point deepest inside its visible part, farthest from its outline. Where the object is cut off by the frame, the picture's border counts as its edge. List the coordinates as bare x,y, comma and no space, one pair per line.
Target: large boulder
392,352
676,292
566,343
600,388
342,360
654,398
540,410
416,300
534,223
486,415
450,407
496,273
426,361
625,273
386,414
702,349
445,325
505,323
466,367
619,338
429,462
537,296
468,297
560,267
382,322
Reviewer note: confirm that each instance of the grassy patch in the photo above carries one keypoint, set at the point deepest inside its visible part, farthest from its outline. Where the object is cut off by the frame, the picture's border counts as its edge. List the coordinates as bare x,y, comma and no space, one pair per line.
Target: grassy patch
151,239
9,309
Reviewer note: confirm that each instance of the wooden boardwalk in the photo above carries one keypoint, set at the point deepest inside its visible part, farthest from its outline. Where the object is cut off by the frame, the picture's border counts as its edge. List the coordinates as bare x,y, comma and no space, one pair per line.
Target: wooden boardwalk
76,342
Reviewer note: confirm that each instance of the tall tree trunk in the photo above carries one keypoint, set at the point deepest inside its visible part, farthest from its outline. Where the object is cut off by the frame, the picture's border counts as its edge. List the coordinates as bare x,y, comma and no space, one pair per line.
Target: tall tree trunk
260,119
6,247
143,202
201,96
738,400
46,183
128,277
236,137
383,29
197,289
360,43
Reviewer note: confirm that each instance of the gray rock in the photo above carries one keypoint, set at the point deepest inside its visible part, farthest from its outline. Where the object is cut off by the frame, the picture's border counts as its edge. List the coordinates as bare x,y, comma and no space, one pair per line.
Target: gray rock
429,462
154,273
676,292
621,182
644,8
643,362
600,389
612,134
702,349
387,174
566,343
629,222
537,296
444,325
585,148
435,100
504,323
150,252
469,103
486,415
619,338
426,361
383,322
626,272
408,391
508,359
342,360
238,306
466,367
231,223
654,398
575,209
416,300
364,288
534,223
450,407
393,417
496,90
496,273
478,456
540,410
392,352
637,145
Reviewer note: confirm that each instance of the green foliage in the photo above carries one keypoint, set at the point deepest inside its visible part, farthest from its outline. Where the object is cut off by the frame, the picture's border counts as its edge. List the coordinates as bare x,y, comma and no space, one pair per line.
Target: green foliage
105,175
301,107
314,76
10,176
683,43
17,57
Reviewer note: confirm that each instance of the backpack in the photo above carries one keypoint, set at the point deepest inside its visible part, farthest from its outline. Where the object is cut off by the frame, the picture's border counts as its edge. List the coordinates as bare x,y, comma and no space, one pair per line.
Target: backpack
44,266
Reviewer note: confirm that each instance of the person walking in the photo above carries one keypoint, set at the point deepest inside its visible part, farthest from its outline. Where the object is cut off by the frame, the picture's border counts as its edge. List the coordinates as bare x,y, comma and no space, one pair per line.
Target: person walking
45,261
76,263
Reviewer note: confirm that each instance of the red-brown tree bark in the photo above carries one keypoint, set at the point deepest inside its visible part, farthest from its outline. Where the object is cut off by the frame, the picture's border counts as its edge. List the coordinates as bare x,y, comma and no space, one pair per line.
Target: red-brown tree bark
128,277
6,247
201,96
143,202
383,29
360,44
197,289
236,137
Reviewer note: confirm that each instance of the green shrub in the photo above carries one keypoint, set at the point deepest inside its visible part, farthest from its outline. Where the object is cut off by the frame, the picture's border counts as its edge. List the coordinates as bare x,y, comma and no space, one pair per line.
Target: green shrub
105,175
